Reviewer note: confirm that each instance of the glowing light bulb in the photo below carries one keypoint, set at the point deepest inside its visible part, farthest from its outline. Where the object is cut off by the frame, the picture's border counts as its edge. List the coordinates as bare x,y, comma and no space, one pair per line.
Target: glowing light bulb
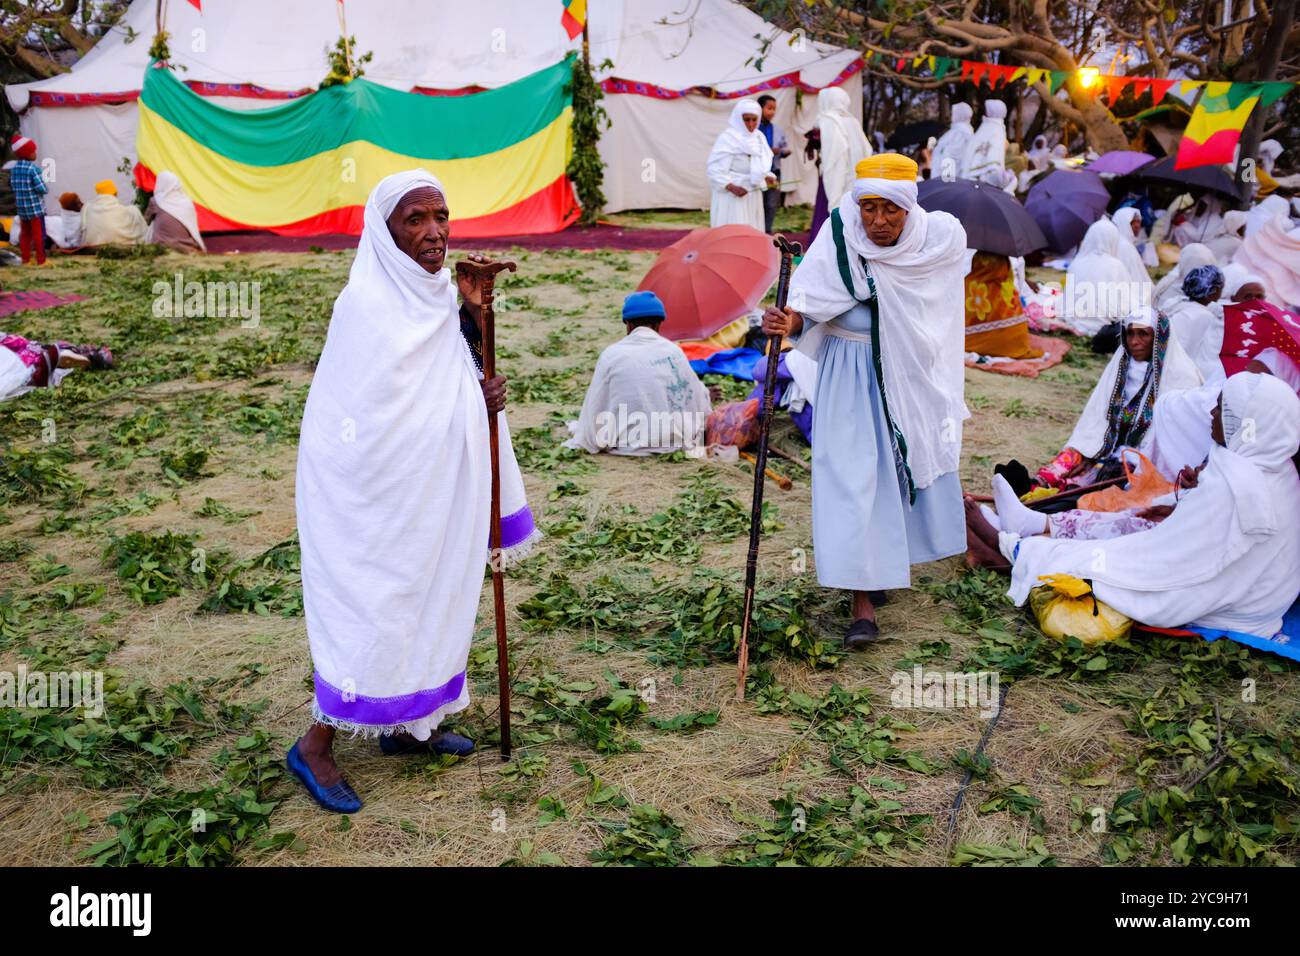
1088,77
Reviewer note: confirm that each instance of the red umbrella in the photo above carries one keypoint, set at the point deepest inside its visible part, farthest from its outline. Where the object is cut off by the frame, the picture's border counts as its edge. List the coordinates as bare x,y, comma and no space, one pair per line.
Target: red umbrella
711,277
1250,327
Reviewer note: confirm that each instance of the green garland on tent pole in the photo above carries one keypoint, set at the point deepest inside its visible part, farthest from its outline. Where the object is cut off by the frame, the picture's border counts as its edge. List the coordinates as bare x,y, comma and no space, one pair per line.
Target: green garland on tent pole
586,169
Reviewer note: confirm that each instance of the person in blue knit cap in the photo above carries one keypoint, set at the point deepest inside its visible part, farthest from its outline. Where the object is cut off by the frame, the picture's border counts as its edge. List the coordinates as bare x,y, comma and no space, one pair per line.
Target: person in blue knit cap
644,398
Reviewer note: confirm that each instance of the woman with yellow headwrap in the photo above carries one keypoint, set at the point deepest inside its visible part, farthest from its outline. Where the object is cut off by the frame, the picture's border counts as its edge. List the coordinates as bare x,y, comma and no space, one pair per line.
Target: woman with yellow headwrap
879,300
106,219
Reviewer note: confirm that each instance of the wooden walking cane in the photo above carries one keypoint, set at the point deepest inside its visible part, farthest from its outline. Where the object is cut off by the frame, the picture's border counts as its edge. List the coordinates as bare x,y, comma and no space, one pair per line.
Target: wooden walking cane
788,251
486,273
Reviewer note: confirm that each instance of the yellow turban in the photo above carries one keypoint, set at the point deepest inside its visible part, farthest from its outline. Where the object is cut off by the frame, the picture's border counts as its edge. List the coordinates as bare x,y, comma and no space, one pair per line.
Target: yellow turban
106,187
893,166
889,176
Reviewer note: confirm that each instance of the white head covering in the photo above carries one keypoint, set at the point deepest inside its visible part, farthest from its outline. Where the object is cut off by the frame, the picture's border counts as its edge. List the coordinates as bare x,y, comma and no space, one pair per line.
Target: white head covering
1169,290
1269,151
1123,220
737,145
1268,208
1099,285
986,154
171,199
1234,220
899,192
1281,365
843,141
950,153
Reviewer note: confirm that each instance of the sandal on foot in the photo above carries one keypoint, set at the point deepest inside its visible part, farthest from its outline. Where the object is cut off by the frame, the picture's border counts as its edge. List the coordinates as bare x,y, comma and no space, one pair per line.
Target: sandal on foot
443,743
340,798
862,632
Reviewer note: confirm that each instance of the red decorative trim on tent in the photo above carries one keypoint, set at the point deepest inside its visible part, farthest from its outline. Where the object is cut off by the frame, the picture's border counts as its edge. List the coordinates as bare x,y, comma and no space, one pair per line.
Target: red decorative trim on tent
48,99
548,210
460,91
248,90
786,81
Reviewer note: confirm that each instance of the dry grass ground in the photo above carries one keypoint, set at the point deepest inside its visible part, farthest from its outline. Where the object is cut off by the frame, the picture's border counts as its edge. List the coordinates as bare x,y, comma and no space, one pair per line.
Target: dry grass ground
1063,735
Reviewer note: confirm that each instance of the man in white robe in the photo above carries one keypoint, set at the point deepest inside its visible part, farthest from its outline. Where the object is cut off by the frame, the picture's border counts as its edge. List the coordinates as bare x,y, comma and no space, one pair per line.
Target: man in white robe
644,397
739,168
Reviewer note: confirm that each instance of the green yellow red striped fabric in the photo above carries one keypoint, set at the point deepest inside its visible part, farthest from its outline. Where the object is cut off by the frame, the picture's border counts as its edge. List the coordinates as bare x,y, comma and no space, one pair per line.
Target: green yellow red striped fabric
305,167
1220,115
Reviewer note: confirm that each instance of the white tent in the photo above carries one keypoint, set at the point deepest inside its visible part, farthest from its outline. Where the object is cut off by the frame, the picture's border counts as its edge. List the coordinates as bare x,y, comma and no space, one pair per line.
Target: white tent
676,68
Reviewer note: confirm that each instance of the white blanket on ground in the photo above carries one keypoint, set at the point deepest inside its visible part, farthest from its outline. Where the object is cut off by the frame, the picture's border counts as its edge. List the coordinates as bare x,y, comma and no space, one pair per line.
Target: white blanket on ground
920,282
393,492
644,399
1228,557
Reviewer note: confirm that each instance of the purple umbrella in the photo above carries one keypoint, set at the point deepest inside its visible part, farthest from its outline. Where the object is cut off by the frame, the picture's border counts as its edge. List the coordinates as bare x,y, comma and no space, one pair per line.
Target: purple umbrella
1121,162
1065,203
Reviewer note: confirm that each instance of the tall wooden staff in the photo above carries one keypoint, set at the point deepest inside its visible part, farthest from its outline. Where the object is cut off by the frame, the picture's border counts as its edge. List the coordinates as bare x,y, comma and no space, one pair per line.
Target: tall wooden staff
486,273
788,251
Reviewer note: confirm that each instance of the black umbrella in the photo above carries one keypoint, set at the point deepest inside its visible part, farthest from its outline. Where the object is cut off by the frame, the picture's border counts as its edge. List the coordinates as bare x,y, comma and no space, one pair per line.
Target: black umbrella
1212,178
914,134
993,220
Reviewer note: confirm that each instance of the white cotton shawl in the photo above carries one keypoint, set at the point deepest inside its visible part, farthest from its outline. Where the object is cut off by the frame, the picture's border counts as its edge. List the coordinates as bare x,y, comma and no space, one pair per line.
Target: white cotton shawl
1200,332
920,282
1229,556
644,399
844,144
107,220
393,491
1169,290
1273,253
1099,287
1178,372
171,199
952,145
1133,252
737,143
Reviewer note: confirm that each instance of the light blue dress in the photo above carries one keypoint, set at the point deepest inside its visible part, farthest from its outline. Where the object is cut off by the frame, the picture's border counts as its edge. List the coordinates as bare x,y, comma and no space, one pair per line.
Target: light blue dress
866,536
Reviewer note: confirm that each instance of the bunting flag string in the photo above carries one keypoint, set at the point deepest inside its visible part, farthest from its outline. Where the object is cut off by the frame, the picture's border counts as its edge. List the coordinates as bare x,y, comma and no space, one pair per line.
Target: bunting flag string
1212,133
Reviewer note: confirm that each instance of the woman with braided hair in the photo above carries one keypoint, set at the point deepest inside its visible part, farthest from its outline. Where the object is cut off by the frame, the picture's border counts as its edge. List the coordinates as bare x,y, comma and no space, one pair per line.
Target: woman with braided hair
1149,363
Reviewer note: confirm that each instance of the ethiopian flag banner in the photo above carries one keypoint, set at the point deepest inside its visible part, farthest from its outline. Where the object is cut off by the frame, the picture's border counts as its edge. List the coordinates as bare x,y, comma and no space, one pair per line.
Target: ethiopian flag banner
305,168
1220,115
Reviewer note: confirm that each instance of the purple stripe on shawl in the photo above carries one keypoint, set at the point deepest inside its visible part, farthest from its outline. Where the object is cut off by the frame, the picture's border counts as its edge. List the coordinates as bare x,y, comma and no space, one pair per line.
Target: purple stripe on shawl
516,527
385,711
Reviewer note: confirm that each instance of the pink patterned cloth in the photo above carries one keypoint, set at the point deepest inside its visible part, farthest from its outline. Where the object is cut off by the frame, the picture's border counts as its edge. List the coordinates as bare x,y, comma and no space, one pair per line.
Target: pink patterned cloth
1096,525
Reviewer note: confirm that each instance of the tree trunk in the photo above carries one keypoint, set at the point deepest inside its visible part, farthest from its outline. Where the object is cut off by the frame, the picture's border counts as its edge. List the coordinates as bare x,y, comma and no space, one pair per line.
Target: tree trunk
1269,56
1101,128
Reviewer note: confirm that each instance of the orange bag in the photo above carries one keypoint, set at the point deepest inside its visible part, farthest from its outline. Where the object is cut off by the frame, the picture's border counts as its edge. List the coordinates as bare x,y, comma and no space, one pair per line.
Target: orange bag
736,423
1139,490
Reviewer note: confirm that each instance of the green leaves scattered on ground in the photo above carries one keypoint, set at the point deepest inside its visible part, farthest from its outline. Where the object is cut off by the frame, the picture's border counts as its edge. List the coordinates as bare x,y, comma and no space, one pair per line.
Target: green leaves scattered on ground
649,837
832,831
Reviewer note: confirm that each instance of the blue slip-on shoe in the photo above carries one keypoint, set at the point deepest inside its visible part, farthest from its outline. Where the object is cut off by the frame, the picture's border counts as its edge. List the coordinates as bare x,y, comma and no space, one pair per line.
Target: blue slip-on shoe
339,798
443,743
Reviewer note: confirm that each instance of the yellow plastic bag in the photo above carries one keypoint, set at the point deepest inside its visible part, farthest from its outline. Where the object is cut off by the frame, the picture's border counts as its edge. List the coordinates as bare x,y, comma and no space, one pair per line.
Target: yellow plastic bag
1066,607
